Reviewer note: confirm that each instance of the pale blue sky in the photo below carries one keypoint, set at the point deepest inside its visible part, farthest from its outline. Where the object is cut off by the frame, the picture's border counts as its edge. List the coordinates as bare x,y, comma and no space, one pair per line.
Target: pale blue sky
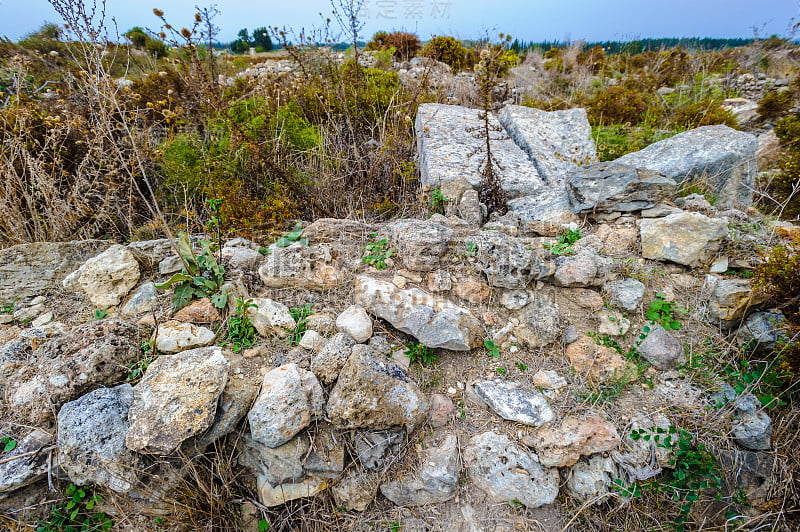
531,20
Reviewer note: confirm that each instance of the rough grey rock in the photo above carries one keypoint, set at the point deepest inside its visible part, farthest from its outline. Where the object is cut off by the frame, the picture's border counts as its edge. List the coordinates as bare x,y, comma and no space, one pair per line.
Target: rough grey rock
290,398
584,268
355,490
316,267
470,208
434,321
40,267
449,147
375,393
686,238
240,256
420,244
591,476
557,142
436,481
514,299
176,399
312,340
750,425
723,158
327,456
749,471
174,337
91,439
143,299
379,346
506,261
69,364
236,399
641,459
355,322
330,360
277,465
540,321
614,187
31,465
762,330
508,223
504,471
372,447
511,401
661,349
270,317
106,278
550,205
625,293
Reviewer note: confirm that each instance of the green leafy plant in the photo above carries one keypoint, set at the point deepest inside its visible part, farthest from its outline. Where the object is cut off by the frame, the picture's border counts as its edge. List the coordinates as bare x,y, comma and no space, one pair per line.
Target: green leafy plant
300,315
472,248
419,354
663,312
137,369
8,443
565,242
202,276
99,314
492,349
500,370
693,469
263,525
295,236
241,332
8,308
377,253
438,201
520,366
76,513
767,380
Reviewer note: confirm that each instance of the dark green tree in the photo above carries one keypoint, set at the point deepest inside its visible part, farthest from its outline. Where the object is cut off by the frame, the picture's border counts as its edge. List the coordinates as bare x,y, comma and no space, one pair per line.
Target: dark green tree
261,39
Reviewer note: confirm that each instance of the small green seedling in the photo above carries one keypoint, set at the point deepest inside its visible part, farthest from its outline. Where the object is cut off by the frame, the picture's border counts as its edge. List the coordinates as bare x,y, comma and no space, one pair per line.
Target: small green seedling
438,201
500,370
520,366
515,504
663,312
76,512
8,443
241,332
202,276
565,242
100,314
263,525
419,354
300,315
492,349
295,236
377,253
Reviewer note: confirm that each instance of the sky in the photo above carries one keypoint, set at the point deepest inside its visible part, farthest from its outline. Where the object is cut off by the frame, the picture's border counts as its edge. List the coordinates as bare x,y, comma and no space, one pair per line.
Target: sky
529,20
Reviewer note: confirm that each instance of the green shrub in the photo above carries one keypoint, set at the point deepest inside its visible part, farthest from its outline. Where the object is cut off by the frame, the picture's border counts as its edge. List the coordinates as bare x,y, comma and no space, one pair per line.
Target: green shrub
785,187
706,112
616,140
616,105
448,50
775,104
405,45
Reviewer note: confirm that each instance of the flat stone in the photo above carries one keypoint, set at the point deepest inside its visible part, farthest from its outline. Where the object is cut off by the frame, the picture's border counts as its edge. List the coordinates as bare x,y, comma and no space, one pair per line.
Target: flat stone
39,267
614,187
762,330
316,267
731,299
575,437
327,456
721,157
434,321
597,362
32,465
355,490
176,399
584,268
449,147
687,238
557,142
198,311
504,471
174,337
511,401
591,477
278,465
374,449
